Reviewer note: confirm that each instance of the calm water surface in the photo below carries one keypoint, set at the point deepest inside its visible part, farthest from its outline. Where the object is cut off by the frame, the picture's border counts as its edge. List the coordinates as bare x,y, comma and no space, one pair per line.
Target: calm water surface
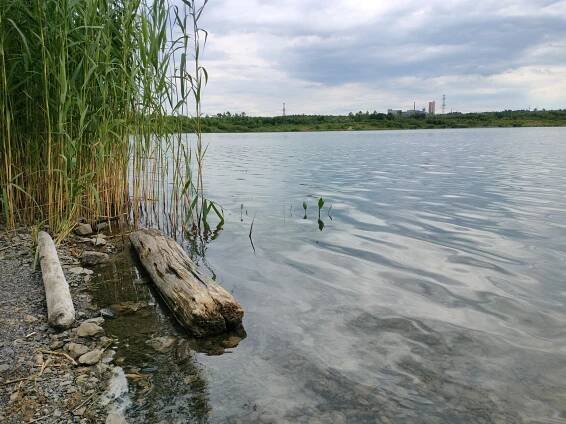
436,292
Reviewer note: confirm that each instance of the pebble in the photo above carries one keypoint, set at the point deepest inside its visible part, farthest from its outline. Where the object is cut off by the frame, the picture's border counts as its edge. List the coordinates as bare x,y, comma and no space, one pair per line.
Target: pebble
29,319
89,329
99,240
79,412
57,344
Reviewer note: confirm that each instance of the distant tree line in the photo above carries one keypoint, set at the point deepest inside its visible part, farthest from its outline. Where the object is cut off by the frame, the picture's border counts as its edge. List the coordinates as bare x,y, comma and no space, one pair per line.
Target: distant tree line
359,121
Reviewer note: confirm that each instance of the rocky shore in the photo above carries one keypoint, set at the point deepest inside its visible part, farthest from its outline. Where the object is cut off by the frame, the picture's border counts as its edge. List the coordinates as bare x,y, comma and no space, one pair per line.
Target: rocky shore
48,376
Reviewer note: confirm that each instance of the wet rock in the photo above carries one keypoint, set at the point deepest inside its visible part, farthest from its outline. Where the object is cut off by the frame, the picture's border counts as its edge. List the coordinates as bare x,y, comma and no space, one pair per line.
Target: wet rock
79,270
76,349
91,258
89,329
91,357
162,344
107,313
83,230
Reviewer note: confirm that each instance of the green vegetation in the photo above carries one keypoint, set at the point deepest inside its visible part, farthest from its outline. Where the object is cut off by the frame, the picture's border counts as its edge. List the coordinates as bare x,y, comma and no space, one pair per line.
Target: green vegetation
228,122
85,87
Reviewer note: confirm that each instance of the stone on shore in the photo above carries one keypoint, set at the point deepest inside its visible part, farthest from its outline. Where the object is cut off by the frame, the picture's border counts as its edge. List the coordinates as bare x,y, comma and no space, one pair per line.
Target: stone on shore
76,349
89,329
91,358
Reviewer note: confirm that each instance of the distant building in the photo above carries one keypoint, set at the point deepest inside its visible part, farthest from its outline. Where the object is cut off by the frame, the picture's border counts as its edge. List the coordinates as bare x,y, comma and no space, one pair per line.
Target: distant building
431,108
407,113
414,112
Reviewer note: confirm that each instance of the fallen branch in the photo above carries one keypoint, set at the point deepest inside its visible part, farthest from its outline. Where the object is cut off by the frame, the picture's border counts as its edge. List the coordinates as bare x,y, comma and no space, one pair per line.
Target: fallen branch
50,352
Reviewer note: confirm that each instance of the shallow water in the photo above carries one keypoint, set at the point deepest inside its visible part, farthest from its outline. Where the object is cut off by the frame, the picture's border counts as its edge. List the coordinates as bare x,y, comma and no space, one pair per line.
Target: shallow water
435,293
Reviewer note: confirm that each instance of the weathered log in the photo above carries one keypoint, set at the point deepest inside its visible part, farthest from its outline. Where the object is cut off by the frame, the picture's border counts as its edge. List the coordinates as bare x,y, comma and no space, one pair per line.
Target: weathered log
60,309
198,303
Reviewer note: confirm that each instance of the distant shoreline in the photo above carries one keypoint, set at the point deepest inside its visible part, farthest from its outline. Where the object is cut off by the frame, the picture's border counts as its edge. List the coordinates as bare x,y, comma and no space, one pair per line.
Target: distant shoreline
241,123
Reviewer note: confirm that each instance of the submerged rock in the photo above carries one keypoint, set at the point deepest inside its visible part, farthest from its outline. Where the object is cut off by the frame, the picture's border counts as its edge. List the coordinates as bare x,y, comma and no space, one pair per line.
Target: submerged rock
89,329
90,258
162,344
126,308
83,230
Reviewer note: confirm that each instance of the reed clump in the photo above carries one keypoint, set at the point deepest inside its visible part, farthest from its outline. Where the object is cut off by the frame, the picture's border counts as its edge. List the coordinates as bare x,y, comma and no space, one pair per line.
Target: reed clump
84,90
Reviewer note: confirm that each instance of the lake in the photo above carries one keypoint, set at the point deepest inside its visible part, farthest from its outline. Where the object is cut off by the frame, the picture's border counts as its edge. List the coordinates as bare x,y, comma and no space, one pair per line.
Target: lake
432,291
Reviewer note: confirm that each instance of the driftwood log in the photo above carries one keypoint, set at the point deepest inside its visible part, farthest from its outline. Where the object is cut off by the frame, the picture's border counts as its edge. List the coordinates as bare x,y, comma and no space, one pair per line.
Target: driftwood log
199,304
60,309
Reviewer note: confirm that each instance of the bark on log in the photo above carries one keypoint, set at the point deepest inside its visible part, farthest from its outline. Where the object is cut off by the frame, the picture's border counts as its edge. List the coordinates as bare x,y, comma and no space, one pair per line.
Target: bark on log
60,309
199,304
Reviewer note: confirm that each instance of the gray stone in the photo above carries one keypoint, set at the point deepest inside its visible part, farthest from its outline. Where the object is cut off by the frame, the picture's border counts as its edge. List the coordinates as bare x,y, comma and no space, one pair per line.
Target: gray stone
89,329
83,230
76,349
91,357
90,258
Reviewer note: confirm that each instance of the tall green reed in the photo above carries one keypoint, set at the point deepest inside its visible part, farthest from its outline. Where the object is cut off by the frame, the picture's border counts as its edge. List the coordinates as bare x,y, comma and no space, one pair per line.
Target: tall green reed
85,87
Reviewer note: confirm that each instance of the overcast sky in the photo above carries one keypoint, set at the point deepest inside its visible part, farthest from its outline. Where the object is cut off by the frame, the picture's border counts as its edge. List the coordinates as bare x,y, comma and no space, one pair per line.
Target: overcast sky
337,56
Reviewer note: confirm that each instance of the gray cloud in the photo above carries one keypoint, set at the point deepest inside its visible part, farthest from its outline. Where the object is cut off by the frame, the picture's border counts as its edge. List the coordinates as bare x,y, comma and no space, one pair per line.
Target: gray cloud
484,54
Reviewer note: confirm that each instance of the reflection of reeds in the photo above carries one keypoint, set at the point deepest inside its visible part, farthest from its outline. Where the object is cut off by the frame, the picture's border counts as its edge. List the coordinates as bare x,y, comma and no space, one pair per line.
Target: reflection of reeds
84,90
